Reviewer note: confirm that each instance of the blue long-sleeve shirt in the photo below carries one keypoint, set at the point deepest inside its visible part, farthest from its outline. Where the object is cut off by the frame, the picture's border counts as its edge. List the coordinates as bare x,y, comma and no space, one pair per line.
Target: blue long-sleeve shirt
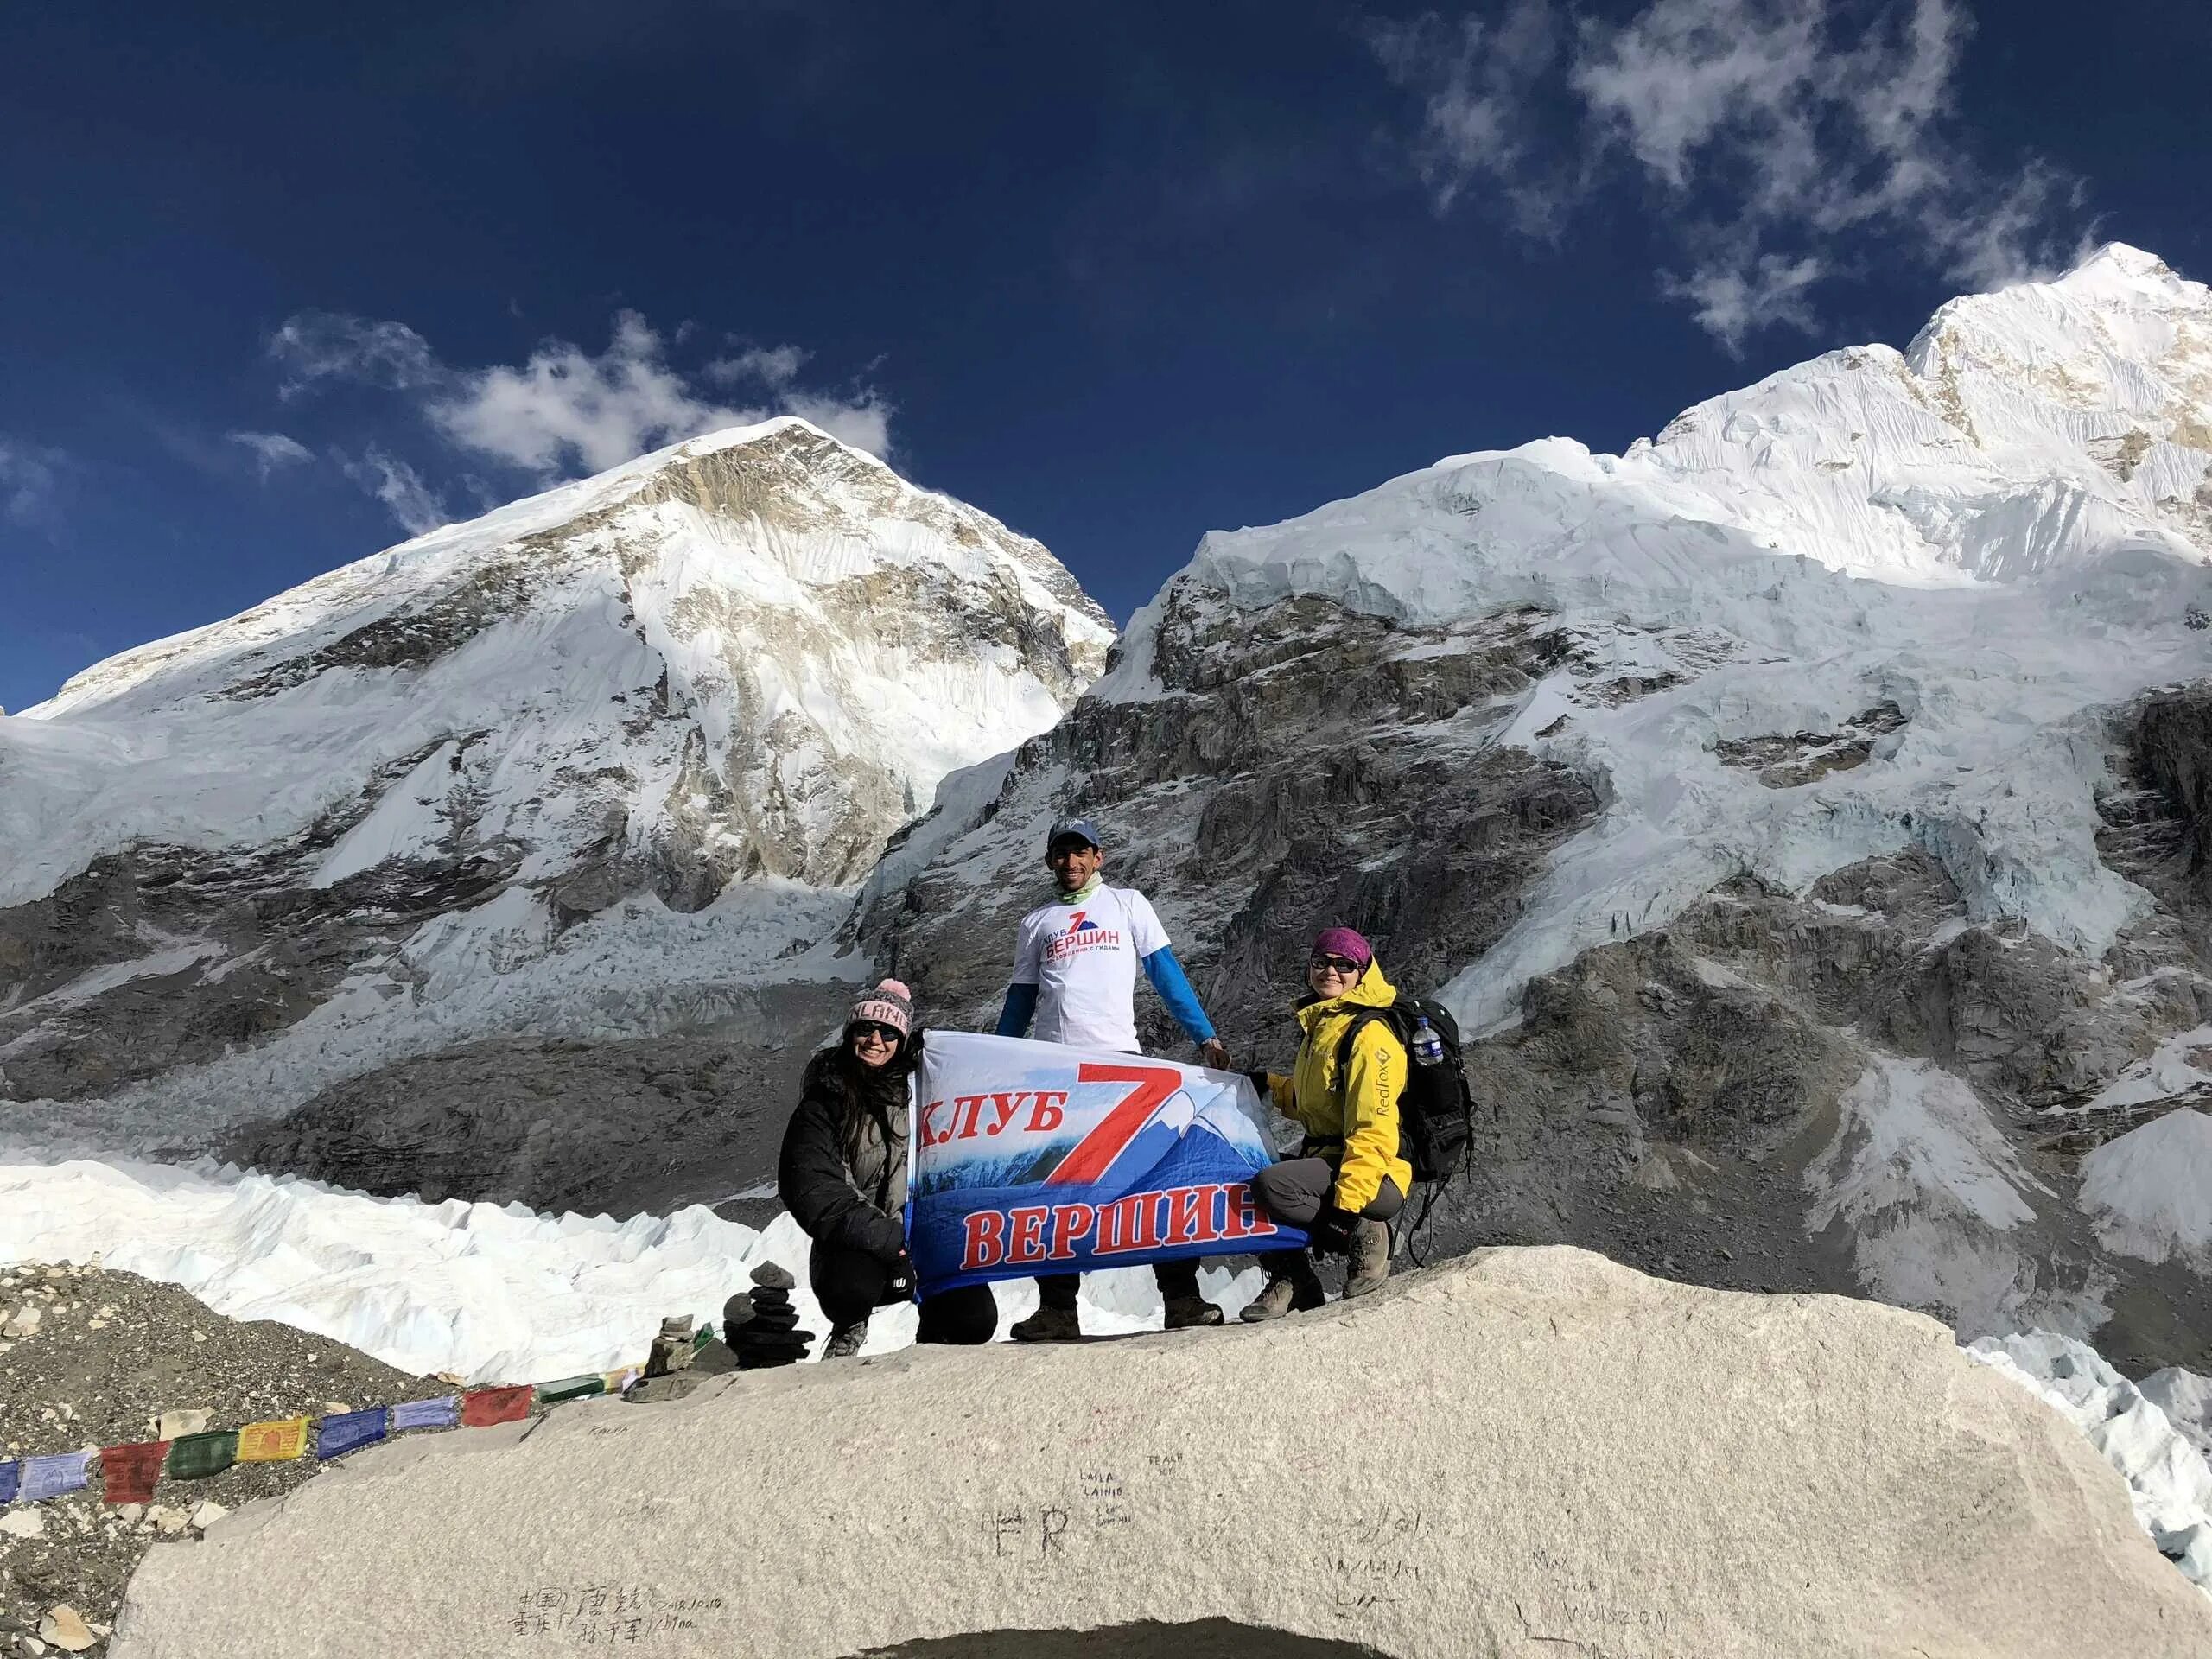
1174,990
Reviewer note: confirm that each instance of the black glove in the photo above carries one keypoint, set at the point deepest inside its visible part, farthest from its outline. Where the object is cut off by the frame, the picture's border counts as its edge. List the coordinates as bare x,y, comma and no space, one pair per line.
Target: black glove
900,1286
1259,1082
1331,1231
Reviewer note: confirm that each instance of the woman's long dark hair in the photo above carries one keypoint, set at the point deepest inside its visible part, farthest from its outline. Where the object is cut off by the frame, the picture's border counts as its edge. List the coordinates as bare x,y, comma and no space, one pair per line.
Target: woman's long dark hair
877,1091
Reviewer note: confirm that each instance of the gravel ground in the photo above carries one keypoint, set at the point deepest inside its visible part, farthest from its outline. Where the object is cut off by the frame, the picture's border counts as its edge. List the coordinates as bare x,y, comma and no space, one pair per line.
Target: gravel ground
111,1352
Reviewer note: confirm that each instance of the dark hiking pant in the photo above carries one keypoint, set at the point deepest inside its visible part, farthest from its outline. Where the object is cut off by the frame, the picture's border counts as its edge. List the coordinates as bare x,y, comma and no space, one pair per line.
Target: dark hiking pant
1173,1278
851,1284
1296,1189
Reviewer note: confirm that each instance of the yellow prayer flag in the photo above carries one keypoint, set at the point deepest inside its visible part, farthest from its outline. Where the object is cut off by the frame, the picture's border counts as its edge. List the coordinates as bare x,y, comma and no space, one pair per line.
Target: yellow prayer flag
277,1442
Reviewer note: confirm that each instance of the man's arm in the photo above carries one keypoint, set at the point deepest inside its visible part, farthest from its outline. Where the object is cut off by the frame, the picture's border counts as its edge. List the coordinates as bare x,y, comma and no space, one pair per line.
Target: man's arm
1019,1009
1021,1006
1175,988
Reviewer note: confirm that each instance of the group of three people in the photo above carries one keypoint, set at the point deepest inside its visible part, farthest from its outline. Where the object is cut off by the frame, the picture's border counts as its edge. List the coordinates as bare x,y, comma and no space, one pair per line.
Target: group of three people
844,1165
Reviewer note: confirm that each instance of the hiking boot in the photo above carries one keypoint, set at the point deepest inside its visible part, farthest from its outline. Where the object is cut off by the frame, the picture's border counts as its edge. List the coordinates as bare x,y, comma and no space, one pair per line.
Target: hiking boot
845,1341
1186,1312
1293,1286
1048,1324
1370,1257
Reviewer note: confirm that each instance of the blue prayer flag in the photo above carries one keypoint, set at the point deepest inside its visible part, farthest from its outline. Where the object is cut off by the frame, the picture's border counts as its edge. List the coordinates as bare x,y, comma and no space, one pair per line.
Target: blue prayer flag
342,1432
10,1475
45,1478
441,1413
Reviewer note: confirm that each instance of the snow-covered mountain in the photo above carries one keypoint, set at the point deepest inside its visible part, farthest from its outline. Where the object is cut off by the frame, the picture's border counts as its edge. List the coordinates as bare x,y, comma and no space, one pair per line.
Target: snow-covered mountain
1805,808
600,767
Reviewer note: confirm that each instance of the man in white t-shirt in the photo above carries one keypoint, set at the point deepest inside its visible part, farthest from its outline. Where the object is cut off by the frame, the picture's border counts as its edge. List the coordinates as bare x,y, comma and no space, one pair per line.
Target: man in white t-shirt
1075,976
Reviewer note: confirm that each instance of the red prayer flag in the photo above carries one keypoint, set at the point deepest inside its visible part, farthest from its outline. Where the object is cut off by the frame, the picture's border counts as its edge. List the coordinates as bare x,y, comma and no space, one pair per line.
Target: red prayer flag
480,1407
127,1473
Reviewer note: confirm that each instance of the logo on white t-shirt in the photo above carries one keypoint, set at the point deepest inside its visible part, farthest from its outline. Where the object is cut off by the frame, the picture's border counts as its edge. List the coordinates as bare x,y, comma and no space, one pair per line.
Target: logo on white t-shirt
1083,962
1082,933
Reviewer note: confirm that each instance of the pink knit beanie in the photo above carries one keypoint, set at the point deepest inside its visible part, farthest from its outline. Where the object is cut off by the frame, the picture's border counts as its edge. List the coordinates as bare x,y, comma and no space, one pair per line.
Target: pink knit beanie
889,1004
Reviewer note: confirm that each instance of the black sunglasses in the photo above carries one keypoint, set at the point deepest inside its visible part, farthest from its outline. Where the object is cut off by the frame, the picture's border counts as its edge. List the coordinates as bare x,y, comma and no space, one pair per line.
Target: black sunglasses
872,1028
1341,964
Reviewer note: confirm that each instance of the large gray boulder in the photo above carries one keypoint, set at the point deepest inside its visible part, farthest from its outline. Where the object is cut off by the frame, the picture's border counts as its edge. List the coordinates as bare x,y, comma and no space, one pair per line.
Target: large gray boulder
1529,1452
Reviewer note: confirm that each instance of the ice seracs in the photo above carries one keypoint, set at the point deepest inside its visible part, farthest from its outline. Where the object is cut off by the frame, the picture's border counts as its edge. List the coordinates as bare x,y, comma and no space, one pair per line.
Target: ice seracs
2169,1482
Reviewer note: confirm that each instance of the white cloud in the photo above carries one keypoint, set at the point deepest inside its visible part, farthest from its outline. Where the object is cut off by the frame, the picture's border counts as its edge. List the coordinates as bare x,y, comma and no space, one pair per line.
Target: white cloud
1767,134
566,411
1729,302
398,485
2015,238
1684,73
271,450
30,480
772,365
325,345
1475,76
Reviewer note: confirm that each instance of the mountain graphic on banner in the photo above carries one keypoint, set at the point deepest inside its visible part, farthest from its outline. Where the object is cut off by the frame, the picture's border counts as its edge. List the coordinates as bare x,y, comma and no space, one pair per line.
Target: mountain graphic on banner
1161,1132
1190,1158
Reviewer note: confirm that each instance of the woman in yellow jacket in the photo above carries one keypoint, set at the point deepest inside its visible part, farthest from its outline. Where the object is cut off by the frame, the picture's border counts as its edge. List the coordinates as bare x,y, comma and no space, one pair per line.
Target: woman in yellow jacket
1353,1176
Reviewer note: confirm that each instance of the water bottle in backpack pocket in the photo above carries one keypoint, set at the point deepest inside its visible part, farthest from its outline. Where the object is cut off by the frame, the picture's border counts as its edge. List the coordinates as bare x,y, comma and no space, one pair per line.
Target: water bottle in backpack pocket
1436,1111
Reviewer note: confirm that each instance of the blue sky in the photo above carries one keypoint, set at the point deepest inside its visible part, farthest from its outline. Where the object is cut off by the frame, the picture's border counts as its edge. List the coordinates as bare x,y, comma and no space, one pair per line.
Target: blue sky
284,283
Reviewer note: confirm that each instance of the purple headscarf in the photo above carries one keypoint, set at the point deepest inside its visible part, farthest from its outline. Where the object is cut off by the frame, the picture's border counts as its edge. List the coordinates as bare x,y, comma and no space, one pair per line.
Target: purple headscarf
1343,942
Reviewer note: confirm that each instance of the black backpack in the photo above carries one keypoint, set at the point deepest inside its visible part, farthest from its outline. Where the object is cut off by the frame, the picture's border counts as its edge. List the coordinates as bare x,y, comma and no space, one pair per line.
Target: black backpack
1436,1112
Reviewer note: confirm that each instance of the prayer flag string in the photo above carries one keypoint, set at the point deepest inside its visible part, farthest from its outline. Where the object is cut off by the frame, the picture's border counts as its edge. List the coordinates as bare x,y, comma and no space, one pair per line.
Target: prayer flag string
130,1473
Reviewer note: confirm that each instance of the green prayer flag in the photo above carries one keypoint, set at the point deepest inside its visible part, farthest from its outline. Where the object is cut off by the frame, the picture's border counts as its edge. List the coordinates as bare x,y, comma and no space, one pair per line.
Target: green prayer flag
571,1387
702,1336
195,1456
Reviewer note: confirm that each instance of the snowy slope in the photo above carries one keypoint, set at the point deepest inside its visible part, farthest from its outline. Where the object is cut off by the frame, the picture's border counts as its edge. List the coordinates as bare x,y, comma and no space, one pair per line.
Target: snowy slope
2149,1190
602,765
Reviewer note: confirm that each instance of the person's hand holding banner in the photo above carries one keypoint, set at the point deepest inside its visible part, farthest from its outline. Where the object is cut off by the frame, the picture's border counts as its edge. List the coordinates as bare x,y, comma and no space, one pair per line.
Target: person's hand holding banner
1034,1158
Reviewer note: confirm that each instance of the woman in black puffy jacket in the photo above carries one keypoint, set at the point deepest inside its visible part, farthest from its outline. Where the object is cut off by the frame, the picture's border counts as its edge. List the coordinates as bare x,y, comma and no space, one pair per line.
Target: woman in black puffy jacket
842,1175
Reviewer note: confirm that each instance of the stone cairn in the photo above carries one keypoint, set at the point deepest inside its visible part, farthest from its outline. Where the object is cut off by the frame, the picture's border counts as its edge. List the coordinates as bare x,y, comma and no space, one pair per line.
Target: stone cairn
761,1326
